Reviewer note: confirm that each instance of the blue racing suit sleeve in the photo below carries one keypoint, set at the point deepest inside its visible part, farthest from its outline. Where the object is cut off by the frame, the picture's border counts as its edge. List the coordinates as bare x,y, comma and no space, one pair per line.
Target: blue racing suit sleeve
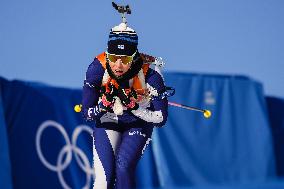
157,82
91,91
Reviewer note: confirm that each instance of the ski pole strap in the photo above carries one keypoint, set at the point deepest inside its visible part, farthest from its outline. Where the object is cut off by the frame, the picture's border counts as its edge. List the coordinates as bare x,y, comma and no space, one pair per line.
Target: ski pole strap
170,91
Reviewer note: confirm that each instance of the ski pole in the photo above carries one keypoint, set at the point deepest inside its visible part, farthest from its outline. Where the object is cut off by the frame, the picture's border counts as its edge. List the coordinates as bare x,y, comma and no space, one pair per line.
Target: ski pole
206,113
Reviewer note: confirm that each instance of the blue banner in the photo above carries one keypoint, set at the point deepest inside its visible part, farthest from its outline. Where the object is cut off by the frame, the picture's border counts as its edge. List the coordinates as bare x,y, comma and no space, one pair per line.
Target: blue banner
50,146
276,115
5,170
233,146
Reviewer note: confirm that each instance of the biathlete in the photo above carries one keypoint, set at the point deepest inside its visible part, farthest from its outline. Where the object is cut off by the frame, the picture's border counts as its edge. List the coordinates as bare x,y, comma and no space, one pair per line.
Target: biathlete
123,95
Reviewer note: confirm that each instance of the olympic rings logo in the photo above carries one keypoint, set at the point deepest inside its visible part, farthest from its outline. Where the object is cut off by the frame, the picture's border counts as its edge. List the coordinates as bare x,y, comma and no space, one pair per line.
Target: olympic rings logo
68,149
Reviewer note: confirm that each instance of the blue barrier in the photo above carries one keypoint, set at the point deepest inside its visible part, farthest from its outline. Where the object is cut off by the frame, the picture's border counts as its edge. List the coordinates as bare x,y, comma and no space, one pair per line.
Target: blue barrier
5,171
276,115
50,146
234,146
41,123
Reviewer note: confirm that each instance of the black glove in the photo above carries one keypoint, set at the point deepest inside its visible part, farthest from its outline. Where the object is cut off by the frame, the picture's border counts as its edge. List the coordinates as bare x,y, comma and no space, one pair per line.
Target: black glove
128,98
107,95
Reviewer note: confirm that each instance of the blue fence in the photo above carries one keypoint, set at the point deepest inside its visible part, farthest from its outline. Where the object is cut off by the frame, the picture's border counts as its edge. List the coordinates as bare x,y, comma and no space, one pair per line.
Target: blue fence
45,144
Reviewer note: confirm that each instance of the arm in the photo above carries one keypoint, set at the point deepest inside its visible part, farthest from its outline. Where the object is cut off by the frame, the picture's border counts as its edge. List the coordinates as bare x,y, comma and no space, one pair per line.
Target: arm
91,91
159,111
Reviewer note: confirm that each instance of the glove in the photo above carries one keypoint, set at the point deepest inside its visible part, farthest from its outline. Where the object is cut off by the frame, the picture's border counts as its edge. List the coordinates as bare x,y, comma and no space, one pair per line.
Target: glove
107,96
106,103
128,98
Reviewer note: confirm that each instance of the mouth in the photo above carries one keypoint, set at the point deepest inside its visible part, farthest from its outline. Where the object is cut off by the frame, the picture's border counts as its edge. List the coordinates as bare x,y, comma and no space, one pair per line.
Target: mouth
118,72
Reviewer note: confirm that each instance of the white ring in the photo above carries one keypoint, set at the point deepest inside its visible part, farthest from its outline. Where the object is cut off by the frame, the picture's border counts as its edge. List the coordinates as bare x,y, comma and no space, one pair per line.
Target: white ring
68,148
44,125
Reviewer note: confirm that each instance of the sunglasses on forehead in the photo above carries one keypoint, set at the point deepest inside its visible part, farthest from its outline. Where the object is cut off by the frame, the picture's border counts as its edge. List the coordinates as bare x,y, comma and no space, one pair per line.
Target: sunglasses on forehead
124,58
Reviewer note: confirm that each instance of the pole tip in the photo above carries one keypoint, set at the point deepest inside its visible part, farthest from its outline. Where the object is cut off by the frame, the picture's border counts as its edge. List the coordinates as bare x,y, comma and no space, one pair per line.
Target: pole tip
207,114
78,108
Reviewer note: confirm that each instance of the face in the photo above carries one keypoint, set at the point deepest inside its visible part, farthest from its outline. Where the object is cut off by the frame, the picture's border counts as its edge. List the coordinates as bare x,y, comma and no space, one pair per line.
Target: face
118,68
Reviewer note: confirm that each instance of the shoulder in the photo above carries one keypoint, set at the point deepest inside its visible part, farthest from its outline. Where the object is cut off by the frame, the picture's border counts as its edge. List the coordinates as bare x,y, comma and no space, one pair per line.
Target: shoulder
153,76
95,71
95,66
154,79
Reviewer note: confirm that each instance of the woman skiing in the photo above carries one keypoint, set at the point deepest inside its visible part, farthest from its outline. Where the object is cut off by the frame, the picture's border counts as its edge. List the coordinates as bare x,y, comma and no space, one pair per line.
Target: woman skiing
121,94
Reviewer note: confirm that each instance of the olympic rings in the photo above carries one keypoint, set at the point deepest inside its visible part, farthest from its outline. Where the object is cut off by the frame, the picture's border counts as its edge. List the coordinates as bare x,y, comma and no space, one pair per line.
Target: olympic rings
68,149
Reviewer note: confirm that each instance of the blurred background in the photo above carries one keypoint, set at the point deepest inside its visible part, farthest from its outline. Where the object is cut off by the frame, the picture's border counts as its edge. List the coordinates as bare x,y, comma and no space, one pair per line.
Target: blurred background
223,55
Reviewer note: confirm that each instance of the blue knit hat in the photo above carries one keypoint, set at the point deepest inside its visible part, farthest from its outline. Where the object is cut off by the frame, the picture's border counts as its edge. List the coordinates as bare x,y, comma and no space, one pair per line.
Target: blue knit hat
122,40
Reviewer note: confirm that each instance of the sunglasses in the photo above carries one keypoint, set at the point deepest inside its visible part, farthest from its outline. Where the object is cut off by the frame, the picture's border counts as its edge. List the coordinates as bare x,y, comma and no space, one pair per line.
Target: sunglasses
124,58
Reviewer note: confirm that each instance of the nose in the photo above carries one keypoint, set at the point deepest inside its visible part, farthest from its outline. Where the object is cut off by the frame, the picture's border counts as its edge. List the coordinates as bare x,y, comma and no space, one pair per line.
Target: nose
119,62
